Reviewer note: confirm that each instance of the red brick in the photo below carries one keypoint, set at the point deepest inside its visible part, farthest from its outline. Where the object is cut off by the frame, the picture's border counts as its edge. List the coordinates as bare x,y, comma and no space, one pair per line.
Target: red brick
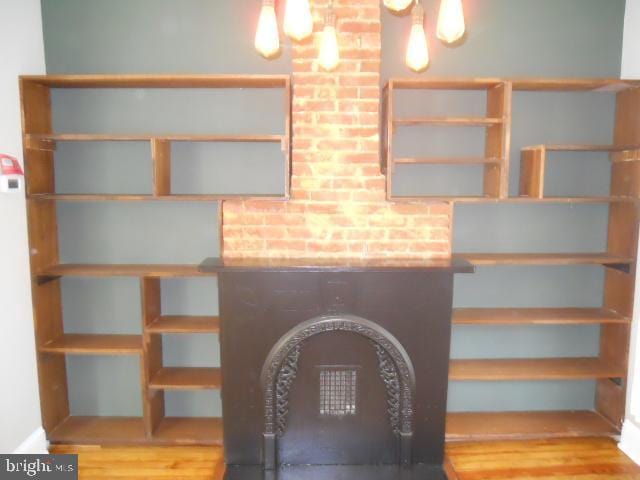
338,206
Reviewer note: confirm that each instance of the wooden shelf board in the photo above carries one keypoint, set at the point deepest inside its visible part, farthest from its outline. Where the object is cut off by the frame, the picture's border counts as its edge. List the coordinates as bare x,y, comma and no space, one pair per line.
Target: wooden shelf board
99,430
483,259
462,121
185,324
512,200
573,84
159,81
532,369
583,148
530,84
447,161
586,199
92,344
189,431
130,431
434,199
477,426
536,316
445,83
91,137
75,197
83,344
186,378
119,270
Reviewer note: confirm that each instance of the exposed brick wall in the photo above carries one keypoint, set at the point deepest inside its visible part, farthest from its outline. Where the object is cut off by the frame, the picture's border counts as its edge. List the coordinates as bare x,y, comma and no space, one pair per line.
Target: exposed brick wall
337,206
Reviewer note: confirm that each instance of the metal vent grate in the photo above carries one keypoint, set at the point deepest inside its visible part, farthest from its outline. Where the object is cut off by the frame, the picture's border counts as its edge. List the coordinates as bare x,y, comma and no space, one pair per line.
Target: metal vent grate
338,392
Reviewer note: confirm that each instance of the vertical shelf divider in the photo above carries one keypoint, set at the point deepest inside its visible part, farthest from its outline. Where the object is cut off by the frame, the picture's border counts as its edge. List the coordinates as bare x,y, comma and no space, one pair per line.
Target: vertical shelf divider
498,141
532,170
153,400
161,156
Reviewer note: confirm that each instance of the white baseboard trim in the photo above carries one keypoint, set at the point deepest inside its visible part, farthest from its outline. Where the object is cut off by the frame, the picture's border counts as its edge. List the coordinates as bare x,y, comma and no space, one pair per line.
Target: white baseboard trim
630,440
36,443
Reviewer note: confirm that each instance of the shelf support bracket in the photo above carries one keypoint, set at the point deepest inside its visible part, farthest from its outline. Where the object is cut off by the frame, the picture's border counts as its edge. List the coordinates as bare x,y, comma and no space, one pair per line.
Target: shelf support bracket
624,267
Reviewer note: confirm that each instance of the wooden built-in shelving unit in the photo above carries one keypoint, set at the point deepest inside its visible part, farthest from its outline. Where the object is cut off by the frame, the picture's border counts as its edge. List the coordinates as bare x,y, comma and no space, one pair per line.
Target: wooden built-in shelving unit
53,343
609,368
40,140
496,122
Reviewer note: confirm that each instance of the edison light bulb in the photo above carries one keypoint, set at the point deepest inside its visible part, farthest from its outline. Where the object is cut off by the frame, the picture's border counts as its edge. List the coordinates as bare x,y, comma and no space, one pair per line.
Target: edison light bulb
450,21
298,22
267,35
397,5
417,50
329,52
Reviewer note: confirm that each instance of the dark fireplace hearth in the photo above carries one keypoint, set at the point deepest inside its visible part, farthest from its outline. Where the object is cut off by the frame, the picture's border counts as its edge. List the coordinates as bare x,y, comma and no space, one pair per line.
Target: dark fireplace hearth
334,370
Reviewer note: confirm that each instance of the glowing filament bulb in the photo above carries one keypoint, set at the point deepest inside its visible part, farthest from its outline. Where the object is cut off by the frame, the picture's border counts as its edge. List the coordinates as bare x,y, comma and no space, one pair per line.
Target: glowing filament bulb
298,22
329,56
397,5
267,36
450,21
417,58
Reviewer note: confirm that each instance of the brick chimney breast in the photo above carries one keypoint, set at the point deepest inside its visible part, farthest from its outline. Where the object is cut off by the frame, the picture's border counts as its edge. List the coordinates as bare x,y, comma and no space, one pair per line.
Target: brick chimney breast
337,207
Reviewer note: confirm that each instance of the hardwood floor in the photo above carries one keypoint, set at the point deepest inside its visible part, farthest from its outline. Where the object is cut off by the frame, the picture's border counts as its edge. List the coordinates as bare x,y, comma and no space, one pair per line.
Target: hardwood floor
558,459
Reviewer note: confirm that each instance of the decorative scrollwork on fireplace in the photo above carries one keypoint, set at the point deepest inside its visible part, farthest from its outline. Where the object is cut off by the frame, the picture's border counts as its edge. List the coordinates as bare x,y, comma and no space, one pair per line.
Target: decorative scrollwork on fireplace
390,378
395,366
286,376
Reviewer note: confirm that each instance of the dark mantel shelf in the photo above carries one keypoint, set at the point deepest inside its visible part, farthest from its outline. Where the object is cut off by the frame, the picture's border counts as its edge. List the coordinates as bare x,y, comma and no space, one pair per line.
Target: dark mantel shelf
451,265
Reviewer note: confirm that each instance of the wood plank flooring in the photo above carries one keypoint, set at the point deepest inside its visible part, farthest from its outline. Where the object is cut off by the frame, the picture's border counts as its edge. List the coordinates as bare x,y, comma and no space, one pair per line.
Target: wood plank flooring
557,459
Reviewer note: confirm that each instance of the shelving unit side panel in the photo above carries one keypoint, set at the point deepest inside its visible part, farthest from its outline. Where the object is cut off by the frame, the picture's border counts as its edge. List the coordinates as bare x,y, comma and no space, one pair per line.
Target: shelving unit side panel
43,248
622,239
36,118
47,314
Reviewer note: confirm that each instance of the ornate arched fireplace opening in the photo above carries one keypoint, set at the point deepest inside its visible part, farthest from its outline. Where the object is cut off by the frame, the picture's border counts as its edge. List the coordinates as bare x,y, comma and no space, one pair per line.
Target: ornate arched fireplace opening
338,386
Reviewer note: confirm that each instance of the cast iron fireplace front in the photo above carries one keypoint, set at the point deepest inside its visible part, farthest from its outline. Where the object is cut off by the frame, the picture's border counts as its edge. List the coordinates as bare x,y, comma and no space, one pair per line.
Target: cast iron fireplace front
335,369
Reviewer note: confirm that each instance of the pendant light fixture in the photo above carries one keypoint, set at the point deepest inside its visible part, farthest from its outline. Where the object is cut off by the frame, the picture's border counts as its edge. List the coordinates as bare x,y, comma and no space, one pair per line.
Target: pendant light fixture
267,40
450,21
298,21
417,57
329,56
397,5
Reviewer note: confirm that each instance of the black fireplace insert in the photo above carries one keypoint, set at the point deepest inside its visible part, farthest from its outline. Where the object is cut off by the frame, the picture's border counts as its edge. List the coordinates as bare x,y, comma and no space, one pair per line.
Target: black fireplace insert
334,369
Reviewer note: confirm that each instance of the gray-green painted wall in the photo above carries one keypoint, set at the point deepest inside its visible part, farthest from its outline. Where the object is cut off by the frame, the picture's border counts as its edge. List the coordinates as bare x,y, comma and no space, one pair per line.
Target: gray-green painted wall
506,38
